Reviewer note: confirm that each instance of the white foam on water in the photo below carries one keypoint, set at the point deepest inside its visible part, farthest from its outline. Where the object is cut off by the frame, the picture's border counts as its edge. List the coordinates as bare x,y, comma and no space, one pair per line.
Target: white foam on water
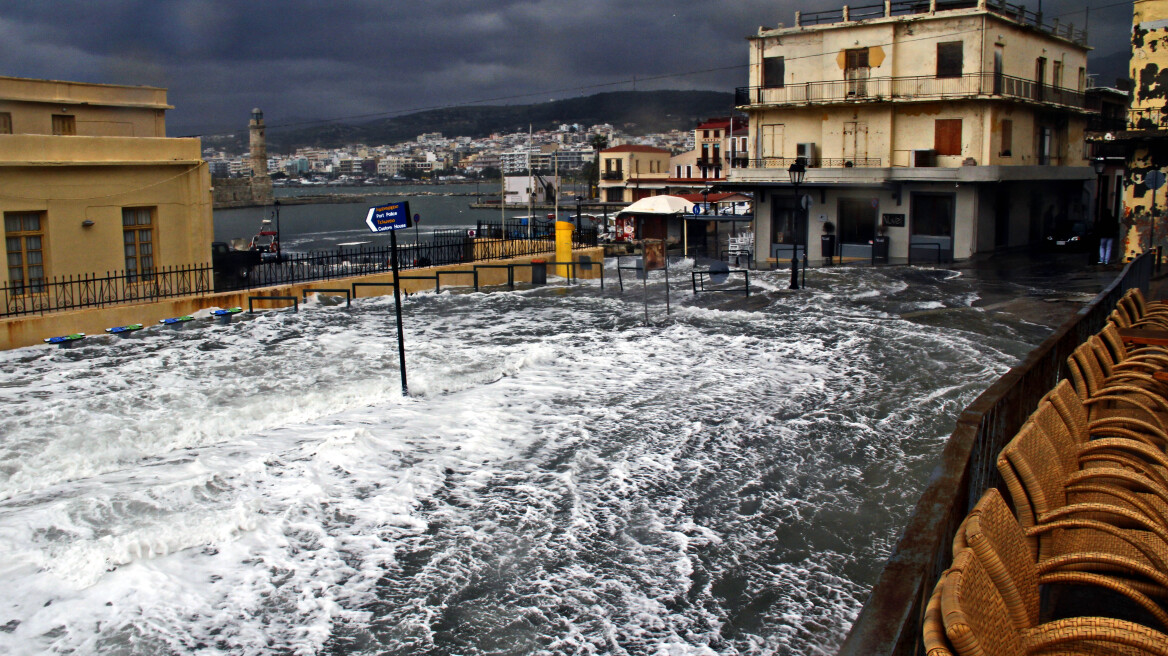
563,479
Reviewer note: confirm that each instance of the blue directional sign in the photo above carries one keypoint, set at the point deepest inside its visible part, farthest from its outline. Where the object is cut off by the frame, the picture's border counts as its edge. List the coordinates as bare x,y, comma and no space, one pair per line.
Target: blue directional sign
1154,179
391,216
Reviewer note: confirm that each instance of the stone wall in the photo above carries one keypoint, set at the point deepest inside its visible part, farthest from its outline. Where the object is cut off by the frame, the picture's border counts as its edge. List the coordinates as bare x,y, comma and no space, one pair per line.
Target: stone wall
241,192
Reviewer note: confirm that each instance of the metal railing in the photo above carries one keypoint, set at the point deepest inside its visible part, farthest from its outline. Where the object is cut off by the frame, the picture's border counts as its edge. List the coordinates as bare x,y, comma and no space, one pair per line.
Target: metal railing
1016,13
96,290
914,87
1152,118
815,162
890,621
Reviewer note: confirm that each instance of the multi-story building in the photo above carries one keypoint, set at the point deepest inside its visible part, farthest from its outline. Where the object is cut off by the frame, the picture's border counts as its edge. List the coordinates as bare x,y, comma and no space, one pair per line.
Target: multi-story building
630,173
950,127
92,184
719,144
1145,141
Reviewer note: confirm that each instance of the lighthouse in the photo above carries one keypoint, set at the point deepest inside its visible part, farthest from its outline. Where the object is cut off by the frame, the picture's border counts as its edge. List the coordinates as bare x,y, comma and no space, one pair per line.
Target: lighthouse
259,147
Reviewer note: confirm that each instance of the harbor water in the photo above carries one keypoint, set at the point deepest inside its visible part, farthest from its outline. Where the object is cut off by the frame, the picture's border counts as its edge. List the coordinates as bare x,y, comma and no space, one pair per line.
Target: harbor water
563,479
329,225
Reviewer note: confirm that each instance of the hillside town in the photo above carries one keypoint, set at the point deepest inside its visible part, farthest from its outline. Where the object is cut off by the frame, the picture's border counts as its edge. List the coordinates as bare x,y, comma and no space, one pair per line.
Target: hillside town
436,157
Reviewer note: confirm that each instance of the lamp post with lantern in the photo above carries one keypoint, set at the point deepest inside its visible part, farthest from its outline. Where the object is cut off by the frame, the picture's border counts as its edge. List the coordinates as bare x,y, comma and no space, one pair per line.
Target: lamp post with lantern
796,171
1099,164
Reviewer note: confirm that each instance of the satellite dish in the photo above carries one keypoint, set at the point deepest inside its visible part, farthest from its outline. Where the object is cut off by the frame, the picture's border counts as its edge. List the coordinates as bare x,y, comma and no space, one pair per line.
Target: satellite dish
719,272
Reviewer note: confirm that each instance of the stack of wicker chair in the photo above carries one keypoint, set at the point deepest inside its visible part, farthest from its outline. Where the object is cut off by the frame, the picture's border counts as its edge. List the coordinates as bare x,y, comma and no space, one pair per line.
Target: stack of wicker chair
1087,478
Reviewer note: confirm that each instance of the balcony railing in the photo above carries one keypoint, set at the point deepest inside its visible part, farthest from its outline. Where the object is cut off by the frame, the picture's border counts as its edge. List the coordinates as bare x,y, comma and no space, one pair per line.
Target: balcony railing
816,163
919,87
1152,118
612,175
1016,13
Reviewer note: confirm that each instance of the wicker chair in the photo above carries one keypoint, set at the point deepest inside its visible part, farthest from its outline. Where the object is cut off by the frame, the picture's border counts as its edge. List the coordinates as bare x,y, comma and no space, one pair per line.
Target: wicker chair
1077,420
933,624
1104,515
1138,313
1118,352
1000,543
1128,394
978,622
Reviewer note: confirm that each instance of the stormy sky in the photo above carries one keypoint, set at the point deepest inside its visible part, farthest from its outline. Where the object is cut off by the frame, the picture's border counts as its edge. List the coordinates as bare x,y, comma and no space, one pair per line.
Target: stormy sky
358,59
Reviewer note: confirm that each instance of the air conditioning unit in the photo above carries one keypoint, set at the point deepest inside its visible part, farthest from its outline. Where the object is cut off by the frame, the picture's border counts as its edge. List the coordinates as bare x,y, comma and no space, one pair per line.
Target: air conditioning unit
924,157
808,153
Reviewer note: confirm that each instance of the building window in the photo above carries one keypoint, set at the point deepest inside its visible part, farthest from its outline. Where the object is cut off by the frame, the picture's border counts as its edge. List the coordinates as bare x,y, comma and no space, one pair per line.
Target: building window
1007,138
856,71
5,123
705,134
24,238
950,57
1082,79
1056,74
774,70
1045,146
138,239
64,124
614,195
947,136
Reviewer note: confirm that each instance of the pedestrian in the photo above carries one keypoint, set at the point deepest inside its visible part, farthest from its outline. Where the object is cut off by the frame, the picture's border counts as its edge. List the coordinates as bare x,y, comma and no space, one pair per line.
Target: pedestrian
1108,229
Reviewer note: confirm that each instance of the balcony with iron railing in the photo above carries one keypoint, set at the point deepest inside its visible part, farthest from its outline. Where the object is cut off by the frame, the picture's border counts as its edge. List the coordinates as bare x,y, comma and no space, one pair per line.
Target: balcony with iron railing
815,162
613,175
1147,118
909,88
1016,13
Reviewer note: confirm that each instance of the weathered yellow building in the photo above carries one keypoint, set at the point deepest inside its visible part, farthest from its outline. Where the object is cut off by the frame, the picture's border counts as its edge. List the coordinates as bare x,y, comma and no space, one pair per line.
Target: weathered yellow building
1146,137
630,173
90,184
949,127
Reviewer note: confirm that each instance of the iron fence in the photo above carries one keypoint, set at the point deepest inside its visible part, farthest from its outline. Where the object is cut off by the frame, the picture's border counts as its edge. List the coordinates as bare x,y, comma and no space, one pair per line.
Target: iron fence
890,621
913,87
445,247
97,290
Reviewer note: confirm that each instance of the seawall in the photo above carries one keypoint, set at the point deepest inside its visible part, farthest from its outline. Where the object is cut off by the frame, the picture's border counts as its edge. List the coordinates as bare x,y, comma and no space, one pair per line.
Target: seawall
29,330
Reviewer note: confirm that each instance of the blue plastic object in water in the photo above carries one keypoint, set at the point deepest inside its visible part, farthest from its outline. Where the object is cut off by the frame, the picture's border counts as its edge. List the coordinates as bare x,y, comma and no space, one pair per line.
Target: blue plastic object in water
61,339
173,320
118,330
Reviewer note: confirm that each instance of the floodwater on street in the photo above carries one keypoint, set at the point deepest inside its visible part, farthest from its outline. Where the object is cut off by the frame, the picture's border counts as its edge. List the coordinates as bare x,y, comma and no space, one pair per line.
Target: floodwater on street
563,478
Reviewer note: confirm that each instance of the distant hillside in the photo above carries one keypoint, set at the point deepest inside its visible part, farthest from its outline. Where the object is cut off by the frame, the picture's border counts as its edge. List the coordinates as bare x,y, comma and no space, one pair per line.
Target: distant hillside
635,112
1106,68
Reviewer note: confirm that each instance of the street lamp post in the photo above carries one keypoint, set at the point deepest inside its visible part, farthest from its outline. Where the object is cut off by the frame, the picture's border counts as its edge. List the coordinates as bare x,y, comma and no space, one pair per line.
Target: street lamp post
706,211
279,255
796,171
1098,164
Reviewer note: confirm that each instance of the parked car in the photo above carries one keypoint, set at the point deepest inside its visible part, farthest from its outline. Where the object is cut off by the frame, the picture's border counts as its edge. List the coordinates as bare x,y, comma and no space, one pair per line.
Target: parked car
232,267
1070,235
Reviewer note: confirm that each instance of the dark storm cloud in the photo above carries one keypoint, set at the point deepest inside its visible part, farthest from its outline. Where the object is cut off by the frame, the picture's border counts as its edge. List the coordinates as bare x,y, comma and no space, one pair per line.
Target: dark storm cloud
304,60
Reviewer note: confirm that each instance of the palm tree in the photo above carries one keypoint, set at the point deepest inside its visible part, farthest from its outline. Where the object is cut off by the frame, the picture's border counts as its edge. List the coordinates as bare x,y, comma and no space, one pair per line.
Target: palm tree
592,170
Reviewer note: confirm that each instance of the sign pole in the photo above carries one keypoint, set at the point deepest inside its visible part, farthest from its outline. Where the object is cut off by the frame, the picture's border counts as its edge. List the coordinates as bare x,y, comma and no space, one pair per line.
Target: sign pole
667,312
401,342
645,289
392,217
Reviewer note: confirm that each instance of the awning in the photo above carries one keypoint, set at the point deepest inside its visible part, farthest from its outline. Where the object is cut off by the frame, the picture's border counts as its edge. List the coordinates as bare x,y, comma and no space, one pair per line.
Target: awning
659,206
